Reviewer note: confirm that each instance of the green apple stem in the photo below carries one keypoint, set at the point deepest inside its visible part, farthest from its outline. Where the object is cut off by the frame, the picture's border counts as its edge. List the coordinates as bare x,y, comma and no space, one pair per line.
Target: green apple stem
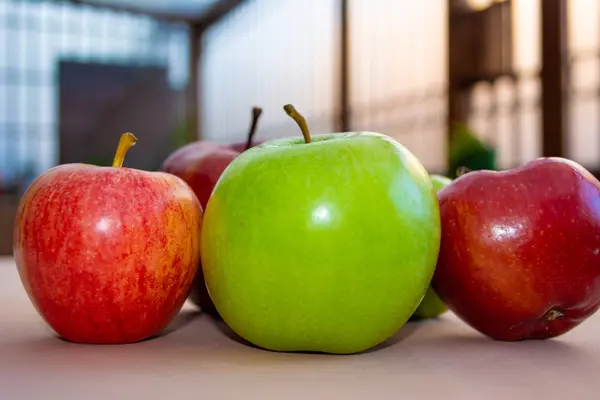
296,116
256,112
126,142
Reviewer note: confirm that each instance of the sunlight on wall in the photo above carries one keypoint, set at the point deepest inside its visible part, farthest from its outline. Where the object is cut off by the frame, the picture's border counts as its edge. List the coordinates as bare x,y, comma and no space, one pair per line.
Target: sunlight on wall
292,55
269,55
583,142
527,39
583,24
398,59
266,55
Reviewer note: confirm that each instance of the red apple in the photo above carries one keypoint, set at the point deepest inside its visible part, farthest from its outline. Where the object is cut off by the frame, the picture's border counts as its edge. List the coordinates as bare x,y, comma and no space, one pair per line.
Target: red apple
241,147
201,164
520,249
107,254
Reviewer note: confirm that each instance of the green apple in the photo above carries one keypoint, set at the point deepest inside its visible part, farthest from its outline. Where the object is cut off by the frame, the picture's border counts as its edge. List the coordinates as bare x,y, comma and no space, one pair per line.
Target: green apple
323,244
432,306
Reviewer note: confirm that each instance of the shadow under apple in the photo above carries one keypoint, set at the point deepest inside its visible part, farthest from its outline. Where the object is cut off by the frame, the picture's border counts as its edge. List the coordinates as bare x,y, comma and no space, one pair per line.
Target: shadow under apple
402,334
558,348
182,319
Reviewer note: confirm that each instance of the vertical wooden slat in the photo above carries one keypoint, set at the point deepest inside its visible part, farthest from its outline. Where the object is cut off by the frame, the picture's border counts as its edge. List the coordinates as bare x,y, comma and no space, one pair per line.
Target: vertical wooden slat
193,102
554,77
344,124
516,113
451,98
458,99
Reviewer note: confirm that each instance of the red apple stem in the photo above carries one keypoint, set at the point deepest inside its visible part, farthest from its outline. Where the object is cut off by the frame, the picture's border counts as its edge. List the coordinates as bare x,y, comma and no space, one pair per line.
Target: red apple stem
126,142
256,112
296,116
460,171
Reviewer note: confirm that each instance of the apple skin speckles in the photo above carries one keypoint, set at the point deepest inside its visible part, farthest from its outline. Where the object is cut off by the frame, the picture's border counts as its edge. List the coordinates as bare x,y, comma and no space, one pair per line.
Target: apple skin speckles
516,244
107,255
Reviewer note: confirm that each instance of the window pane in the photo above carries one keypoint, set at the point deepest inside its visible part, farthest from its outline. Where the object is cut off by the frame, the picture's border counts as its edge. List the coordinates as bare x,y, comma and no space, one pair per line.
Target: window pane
47,151
3,47
12,50
34,37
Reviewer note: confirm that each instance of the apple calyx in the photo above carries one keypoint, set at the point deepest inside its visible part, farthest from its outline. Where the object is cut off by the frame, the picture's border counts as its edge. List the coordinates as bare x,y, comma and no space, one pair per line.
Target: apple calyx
256,112
126,142
296,116
553,314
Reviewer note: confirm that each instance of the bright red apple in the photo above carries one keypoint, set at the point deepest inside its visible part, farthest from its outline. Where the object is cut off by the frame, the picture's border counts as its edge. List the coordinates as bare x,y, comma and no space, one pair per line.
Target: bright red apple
107,254
520,249
201,164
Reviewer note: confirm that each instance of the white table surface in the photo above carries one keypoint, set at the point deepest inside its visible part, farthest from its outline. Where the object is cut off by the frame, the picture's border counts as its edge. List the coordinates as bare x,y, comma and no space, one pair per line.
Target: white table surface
443,359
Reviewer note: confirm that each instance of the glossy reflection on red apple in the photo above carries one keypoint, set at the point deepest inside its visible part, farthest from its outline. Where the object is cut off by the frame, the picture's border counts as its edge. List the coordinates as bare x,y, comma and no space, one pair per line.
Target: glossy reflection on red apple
107,255
520,249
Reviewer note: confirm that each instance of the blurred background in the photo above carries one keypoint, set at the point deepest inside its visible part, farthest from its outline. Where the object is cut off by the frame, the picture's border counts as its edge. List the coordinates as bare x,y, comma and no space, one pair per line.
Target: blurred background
475,83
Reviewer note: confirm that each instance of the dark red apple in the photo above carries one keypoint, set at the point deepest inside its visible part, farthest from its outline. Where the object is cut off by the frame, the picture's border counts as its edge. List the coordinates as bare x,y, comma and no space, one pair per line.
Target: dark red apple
520,249
107,254
241,147
201,164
